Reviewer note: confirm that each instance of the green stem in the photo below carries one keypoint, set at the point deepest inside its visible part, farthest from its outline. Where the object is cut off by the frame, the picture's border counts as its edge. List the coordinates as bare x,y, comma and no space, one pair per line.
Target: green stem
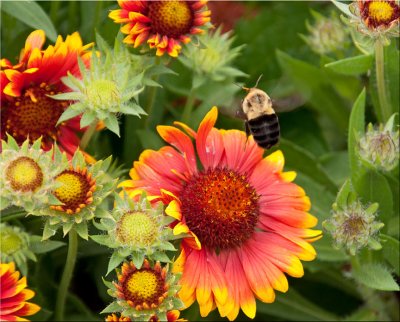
67,275
151,97
12,216
187,110
88,135
384,103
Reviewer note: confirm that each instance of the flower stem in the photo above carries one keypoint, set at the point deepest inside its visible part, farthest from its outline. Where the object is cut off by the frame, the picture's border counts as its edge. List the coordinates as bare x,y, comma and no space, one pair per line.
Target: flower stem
88,135
152,94
187,110
67,275
384,103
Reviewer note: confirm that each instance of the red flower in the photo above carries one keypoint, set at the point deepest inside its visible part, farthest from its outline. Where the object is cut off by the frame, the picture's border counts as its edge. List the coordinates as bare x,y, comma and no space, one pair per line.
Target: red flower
14,294
248,223
26,109
163,24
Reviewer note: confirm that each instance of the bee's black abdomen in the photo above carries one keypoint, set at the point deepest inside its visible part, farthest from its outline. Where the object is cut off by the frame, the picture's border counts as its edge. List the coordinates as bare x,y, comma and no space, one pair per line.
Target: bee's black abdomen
265,130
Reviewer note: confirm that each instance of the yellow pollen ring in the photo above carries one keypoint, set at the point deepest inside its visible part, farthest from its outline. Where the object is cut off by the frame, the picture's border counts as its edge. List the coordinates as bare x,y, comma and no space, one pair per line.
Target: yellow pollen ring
24,174
381,11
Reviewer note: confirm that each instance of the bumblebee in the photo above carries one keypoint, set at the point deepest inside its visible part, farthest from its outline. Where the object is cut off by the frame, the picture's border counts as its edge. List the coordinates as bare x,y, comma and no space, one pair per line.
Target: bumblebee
260,118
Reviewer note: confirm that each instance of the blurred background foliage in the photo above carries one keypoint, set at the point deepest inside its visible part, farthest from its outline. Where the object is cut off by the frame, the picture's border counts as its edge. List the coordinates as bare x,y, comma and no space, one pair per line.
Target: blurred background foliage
314,128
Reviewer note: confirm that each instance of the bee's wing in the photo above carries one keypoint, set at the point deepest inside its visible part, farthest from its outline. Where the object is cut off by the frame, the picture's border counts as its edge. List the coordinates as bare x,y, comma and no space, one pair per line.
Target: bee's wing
288,103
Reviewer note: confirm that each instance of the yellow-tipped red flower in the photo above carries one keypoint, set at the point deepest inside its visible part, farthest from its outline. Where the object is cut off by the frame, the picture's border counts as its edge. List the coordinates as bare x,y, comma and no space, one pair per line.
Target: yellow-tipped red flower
163,24
14,294
26,108
248,223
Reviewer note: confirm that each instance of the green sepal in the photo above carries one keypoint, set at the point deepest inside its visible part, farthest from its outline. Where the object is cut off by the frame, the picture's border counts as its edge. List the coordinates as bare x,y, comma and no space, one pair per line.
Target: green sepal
48,231
69,113
82,230
87,118
160,256
108,284
112,124
4,203
137,259
112,308
115,260
66,227
101,239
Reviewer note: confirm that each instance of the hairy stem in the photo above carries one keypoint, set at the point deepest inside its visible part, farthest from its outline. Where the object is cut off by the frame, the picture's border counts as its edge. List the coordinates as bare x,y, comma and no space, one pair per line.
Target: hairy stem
67,275
88,135
384,103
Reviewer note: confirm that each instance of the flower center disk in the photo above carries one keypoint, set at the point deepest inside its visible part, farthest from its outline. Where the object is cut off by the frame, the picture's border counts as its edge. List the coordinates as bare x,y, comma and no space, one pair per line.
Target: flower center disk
220,207
136,229
24,174
143,286
170,18
34,114
75,192
381,12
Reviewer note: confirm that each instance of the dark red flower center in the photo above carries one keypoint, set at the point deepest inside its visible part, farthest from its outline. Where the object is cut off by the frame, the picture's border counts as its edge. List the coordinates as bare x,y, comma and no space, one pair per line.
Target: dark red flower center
379,13
220,207
170,18
33,114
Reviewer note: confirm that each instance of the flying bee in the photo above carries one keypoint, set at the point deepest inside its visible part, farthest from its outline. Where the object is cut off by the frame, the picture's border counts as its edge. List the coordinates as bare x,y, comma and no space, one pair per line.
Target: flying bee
260,118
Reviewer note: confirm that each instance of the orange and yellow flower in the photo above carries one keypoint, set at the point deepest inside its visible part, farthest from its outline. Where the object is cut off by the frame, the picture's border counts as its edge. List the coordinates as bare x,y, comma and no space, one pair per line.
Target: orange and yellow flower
163,24
14,294
26,108
248,223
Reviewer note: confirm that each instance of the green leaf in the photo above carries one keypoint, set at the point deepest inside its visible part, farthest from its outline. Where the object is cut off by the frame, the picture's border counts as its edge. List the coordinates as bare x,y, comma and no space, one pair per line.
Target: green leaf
137,259
82,230
316,85
39,247
101,239
31,14
375,276
112,124
363,314
373,187
356,127
69,113
115,260
300,159
352,66
336,166
294,307
391,251
112,308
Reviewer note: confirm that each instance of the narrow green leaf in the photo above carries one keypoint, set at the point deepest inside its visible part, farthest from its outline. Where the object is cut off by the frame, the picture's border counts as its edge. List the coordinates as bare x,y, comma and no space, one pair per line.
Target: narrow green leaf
115,260
352,66
39,247
294,307
356,128
375,276
69,113
391,252
344,191
31,14
112,124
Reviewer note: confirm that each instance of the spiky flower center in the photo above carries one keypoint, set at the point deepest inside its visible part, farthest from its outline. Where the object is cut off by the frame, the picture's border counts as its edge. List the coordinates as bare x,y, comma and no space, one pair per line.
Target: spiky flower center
220,207
380,13
75,191
170,18
33,114
137,229
102,93
382,145
24,174
144,286
353,226
10,242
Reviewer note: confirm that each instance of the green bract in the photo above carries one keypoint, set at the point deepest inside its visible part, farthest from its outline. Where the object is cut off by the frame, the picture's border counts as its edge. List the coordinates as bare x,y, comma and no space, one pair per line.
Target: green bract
136,229
353,225
213,59
80,178
108,88
27,175
326,35
379,147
